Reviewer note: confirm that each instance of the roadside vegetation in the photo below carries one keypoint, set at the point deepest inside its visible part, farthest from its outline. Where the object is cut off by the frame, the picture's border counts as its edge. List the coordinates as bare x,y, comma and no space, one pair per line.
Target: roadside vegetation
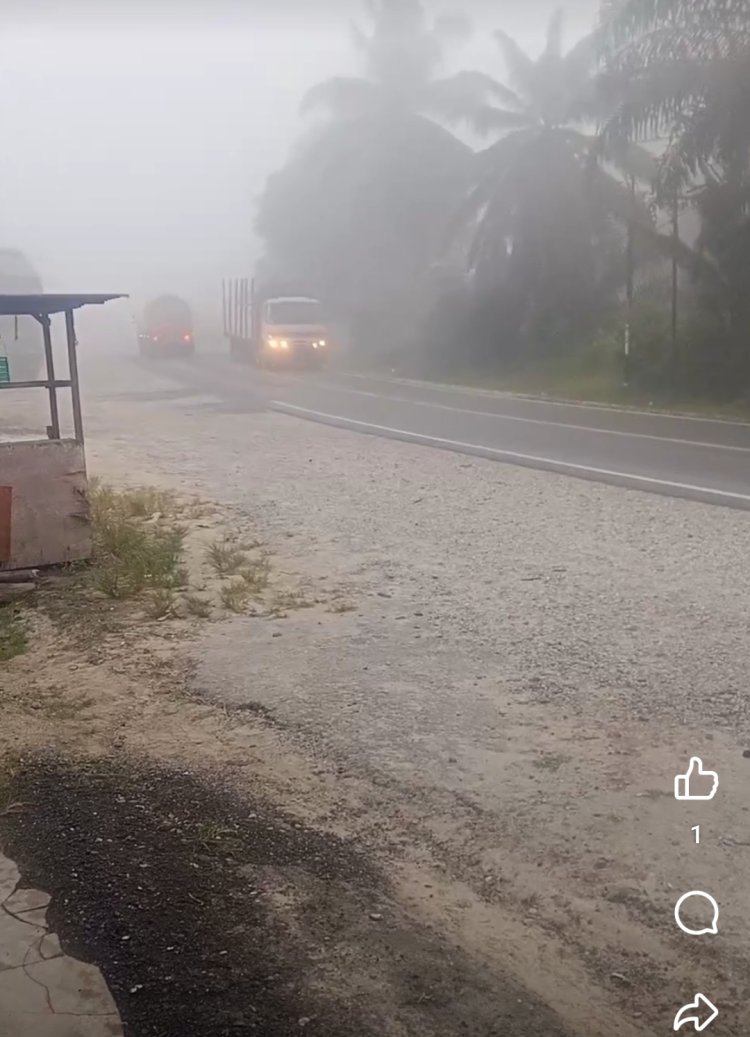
137,544
12,632
575,221
155,557
141,552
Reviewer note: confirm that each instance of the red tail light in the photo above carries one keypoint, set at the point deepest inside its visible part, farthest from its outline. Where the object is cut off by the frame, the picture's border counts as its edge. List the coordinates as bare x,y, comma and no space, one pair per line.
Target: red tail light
186,338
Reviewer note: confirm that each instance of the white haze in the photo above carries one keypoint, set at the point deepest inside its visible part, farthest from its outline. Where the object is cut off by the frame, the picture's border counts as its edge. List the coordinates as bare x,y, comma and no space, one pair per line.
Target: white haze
135,146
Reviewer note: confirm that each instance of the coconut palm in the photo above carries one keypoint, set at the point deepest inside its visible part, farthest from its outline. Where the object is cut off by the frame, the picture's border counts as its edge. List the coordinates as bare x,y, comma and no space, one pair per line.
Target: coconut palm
547,218
401,57
359,210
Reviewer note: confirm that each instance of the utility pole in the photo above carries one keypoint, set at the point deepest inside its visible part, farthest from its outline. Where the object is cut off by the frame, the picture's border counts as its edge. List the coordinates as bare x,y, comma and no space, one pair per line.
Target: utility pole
675,239
629,285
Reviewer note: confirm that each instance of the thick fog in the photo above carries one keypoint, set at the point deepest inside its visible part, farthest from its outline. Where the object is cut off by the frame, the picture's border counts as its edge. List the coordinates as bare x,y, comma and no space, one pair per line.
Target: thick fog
136,142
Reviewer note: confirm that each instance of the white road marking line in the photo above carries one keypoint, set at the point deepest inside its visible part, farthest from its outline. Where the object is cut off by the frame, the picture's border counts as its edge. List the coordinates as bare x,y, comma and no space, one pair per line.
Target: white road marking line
506,394
419,437
539,421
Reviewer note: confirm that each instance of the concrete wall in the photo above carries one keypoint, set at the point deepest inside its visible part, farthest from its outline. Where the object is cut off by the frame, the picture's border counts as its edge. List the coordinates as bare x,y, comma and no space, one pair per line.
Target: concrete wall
49,513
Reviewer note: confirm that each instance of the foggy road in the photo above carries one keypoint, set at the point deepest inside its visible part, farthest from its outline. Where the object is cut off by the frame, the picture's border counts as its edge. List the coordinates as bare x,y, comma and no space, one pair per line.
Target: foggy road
695,458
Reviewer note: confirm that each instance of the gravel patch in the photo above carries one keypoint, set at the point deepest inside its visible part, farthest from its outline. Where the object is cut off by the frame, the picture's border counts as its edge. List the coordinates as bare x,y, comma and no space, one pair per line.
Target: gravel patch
573,592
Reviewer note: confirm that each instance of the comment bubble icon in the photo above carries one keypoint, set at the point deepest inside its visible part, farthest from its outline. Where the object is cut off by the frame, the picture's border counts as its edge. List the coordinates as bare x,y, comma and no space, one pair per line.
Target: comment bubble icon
704,906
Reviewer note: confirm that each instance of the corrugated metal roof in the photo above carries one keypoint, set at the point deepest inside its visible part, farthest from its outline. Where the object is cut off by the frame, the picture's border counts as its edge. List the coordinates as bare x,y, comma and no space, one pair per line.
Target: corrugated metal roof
50,302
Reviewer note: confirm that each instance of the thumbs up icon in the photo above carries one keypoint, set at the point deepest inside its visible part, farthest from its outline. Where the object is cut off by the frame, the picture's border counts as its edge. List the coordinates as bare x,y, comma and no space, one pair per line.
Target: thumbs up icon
698,783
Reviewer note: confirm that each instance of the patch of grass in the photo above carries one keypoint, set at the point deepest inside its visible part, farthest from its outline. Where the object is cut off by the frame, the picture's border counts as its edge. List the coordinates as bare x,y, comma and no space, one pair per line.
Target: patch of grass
141,502
234,595
161,603
288,601
13,639
339,607
225,558
197,606
551,761
255,573
135,547
198,508
597,386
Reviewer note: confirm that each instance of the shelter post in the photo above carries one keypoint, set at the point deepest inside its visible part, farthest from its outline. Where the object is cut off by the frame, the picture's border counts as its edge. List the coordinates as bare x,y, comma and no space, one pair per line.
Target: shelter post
75,389
54,429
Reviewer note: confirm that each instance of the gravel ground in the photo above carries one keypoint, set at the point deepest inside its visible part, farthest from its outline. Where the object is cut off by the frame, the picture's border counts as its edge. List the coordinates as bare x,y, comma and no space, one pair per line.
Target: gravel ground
584,594
527,662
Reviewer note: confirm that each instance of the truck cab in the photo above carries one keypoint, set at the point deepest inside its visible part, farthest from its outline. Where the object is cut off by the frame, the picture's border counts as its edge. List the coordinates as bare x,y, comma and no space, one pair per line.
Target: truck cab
292,332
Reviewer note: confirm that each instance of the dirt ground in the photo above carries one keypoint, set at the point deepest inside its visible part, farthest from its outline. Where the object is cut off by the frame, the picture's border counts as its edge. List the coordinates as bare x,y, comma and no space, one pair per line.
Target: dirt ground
433,780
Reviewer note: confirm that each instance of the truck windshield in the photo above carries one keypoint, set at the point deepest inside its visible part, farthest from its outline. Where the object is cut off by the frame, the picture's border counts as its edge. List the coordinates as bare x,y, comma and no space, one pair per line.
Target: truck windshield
293,311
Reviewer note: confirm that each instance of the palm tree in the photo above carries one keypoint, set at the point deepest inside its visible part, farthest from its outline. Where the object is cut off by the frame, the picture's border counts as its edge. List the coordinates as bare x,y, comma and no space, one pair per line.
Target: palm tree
401,55
544,213
679,71
361,205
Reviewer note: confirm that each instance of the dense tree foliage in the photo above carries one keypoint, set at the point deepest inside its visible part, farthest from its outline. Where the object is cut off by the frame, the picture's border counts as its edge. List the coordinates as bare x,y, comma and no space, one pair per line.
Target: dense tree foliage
679,72
357,213
549,222
600,156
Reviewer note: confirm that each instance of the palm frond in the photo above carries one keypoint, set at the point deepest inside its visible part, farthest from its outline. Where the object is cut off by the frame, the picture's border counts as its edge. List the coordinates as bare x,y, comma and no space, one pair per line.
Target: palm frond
487,119
578,73
553,48
708,23
521,68
492,167
650,103
456,98
631,159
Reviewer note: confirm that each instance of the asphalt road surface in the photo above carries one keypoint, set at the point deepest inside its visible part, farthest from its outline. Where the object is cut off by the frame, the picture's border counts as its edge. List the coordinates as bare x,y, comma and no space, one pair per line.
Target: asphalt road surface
697,458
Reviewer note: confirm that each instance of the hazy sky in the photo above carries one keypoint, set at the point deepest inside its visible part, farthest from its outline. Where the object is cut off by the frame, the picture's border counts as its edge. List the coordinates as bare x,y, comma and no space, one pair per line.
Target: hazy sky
136,141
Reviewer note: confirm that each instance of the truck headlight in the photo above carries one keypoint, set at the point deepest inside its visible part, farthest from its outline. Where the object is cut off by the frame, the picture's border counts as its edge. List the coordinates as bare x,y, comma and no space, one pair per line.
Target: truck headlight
273,343
284,344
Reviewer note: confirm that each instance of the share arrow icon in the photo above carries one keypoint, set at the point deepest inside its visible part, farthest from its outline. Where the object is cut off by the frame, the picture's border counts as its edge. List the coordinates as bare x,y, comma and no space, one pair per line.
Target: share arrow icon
700,1012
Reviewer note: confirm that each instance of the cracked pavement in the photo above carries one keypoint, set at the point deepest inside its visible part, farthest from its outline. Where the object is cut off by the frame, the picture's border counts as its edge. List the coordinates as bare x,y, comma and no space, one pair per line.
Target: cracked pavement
43,991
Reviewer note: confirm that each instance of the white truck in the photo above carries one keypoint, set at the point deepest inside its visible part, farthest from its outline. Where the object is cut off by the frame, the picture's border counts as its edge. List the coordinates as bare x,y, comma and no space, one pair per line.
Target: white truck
270,330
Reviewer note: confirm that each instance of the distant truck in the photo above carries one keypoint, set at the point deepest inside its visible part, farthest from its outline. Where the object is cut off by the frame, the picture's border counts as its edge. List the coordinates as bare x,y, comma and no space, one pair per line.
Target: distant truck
273,330
166,328
21,341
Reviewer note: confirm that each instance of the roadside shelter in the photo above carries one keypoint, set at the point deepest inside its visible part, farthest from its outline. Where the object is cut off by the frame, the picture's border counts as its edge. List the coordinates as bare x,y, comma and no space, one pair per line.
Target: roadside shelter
44,514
